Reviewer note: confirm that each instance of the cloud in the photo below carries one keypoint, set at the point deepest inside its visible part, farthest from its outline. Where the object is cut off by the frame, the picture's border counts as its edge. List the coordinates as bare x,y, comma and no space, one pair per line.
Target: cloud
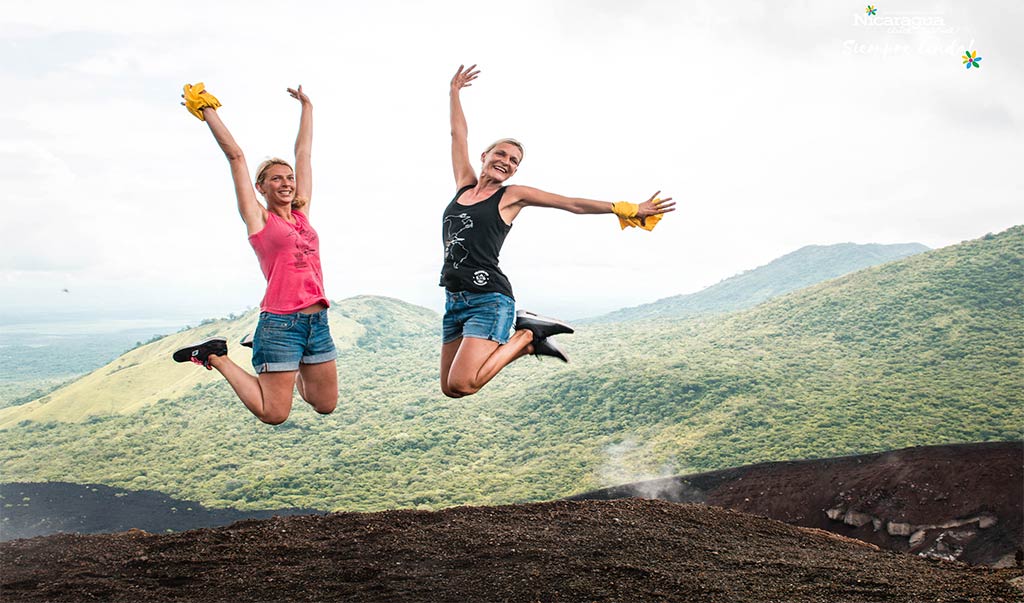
751,115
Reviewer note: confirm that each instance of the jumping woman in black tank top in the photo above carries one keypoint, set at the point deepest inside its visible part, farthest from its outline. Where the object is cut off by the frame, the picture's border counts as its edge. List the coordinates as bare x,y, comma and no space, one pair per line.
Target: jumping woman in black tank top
479,309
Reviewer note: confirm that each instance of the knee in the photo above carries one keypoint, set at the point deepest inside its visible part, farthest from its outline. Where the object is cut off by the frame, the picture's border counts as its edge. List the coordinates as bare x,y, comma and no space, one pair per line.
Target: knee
458,388
323,401
274,418
326,408
448,392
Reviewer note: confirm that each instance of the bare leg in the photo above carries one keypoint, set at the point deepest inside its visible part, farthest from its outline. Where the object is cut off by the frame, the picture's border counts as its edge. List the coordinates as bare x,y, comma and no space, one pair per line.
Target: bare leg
468,364
318,385
268,396
448,351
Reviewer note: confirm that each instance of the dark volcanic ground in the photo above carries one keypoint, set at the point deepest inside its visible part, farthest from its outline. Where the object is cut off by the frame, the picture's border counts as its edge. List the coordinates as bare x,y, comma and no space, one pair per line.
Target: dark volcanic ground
40,509
960,501
625,550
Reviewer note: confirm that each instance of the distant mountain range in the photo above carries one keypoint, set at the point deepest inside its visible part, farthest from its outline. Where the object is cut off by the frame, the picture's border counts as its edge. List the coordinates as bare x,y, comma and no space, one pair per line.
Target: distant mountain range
802,268
919,351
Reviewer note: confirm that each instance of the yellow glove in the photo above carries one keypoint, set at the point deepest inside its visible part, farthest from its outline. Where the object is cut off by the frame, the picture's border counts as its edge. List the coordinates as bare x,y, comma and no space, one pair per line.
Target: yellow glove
626,213
197,99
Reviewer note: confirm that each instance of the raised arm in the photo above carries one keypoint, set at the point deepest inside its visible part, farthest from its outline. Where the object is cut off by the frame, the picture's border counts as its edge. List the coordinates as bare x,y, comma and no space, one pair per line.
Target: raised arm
461,166
518,197
303,150
253,214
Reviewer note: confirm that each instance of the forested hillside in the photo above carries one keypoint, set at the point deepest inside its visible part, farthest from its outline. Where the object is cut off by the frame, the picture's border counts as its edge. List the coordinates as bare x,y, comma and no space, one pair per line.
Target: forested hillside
925,350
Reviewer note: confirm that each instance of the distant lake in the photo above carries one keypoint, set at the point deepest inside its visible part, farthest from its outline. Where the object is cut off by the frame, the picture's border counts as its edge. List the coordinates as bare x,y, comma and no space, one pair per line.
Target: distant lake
71,346
72,325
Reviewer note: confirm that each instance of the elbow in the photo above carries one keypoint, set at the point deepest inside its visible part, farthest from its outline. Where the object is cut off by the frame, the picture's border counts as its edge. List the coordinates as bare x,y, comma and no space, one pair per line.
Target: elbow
234,154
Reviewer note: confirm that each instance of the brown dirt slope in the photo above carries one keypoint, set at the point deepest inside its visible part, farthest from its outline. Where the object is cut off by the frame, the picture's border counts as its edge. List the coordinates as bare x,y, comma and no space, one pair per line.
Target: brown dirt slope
961,501
626,550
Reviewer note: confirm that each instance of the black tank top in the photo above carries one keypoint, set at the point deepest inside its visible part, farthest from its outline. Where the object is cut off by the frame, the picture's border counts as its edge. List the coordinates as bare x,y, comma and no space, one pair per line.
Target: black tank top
472,237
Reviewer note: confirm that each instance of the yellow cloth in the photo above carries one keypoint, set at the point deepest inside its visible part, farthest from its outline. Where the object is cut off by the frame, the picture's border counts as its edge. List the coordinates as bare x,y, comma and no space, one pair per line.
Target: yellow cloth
627,211
197,99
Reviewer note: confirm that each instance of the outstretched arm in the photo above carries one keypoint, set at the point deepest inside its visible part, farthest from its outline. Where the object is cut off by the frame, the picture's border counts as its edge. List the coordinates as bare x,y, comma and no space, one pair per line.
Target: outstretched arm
303,150
518,197
251,211
464,175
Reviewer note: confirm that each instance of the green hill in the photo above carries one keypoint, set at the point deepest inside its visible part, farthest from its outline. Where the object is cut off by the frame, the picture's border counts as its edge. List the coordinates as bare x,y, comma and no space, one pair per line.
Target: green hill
925,350
804,267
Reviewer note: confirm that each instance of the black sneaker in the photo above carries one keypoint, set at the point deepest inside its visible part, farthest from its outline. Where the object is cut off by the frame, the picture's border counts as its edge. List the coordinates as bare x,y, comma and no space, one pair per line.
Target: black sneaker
200,353
546,347
247,340
541,326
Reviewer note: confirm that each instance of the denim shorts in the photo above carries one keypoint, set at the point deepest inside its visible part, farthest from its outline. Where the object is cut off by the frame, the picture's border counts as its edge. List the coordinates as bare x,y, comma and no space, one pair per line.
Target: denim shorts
478,315
282,341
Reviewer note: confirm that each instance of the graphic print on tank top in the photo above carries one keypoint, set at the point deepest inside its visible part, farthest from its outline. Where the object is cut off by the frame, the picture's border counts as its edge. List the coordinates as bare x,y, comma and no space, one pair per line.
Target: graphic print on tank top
454,251
304,240
472,236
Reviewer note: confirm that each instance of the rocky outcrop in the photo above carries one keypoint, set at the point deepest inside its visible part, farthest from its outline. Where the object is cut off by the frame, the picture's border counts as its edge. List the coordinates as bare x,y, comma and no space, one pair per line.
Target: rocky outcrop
957,501
944,540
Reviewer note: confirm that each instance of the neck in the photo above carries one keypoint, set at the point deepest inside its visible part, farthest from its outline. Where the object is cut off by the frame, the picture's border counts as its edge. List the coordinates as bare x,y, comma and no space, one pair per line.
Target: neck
487,183
282,211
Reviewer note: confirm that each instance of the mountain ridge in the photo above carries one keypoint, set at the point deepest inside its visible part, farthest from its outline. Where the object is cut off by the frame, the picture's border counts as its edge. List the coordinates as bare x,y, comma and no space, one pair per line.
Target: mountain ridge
804,267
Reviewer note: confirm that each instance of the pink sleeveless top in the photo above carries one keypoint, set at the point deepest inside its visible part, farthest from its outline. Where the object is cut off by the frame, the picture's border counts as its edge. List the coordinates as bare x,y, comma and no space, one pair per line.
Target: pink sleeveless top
289,256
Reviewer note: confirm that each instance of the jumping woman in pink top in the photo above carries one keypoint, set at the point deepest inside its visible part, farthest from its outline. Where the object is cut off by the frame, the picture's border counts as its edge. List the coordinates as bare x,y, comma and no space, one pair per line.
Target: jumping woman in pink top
292,345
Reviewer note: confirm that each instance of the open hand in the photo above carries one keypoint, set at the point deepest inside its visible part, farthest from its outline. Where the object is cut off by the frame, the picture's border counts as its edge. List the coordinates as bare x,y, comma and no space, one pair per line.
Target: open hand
463,77
655,207
299,95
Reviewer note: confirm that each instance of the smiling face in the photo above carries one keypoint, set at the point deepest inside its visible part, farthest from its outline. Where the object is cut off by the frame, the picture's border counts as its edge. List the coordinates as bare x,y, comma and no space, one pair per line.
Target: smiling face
501,161
277,185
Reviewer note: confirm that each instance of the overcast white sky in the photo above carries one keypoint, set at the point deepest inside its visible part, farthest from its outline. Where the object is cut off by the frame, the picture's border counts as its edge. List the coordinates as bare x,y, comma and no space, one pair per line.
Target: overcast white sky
774,125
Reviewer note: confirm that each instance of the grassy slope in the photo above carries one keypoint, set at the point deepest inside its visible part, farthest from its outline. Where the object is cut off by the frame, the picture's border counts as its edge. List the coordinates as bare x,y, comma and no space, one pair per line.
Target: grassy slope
922,351
147,374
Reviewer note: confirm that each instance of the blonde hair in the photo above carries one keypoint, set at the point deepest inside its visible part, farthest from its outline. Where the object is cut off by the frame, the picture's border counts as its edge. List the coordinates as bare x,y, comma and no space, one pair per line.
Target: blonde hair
511,141
261,173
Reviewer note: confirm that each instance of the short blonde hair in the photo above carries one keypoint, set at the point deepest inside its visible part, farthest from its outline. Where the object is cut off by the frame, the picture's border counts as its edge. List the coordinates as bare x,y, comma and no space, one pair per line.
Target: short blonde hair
511,141
261,173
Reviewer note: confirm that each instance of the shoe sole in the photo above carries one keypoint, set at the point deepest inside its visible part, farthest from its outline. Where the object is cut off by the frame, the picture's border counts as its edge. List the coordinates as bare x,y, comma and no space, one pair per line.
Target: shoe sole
552,351
556,327
185,354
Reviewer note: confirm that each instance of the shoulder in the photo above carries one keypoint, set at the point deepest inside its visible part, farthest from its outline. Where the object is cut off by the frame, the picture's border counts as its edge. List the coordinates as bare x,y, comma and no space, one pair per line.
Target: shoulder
520,194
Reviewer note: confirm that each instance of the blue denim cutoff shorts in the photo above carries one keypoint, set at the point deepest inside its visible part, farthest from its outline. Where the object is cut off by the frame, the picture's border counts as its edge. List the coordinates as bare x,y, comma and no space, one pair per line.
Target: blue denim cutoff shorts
282,341
478,315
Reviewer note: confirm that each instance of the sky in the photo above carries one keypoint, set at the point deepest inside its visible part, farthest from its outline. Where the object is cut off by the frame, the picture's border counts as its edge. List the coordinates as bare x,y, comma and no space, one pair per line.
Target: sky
773,125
